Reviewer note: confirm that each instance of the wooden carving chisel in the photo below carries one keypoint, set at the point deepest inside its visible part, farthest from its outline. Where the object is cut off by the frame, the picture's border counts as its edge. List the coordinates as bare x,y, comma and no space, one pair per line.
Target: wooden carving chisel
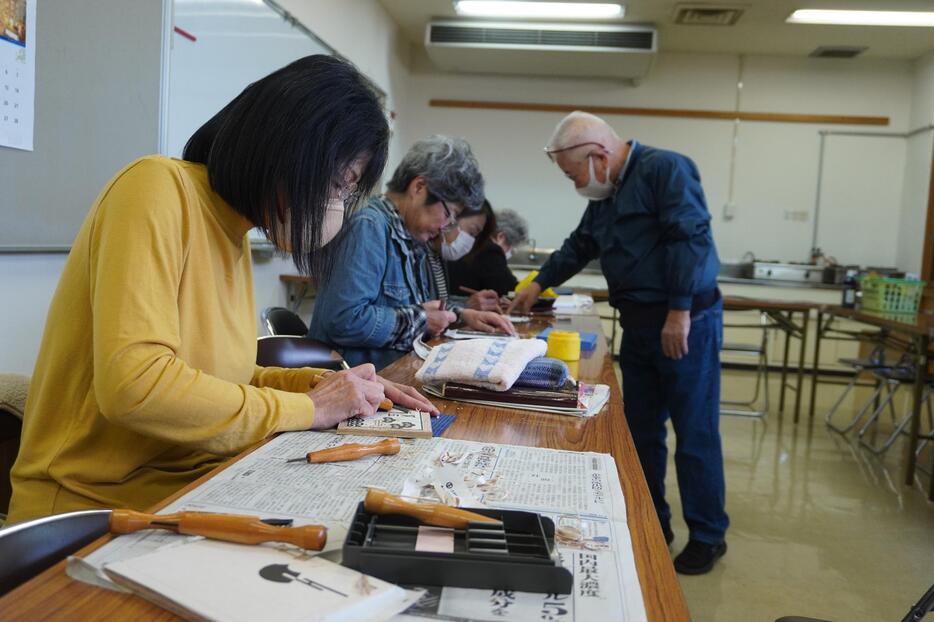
351,451
436,514
226,527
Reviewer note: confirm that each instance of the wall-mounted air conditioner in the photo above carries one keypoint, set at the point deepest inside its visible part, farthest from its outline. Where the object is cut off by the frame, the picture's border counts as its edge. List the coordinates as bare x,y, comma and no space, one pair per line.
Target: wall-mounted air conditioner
573,50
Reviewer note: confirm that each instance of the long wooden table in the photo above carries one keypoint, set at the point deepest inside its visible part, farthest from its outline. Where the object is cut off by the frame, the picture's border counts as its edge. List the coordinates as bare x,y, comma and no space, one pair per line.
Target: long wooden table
54,596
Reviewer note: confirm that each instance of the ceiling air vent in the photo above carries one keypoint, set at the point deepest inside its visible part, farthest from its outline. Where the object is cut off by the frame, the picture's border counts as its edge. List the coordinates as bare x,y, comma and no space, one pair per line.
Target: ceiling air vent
838,51
708,14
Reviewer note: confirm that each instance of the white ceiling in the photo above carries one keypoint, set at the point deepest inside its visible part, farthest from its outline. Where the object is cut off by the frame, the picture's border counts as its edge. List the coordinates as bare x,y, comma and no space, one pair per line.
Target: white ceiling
761,30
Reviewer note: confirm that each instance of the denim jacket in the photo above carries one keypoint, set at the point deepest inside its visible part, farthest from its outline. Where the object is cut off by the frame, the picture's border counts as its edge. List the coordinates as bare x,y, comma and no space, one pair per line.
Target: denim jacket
370,307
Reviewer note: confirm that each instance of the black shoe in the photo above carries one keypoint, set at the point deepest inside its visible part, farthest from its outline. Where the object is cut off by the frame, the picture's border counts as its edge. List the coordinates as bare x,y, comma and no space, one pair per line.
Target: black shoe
699,557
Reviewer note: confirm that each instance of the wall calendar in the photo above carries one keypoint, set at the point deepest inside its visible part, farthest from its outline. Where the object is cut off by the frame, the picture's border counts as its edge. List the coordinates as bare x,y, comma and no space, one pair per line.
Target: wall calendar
17,73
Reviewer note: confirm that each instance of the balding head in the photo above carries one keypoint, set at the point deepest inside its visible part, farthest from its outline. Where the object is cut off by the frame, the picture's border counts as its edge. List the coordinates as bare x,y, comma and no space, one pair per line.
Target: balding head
582,127
588,152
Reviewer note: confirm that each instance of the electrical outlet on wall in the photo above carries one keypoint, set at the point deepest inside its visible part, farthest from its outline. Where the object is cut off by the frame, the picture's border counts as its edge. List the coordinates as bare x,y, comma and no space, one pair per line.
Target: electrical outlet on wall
729,211
797,215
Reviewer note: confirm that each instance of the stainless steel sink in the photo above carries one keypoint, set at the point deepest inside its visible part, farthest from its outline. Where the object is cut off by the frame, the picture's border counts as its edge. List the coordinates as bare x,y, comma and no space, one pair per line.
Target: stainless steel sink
532,258
742,270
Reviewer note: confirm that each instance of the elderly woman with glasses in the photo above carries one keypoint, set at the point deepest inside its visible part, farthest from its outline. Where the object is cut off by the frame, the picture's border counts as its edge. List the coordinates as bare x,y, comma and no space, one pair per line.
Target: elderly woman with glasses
381,294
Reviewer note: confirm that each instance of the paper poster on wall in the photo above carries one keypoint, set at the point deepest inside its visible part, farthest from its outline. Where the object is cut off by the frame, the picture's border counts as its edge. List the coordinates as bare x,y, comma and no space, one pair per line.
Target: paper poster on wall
17,72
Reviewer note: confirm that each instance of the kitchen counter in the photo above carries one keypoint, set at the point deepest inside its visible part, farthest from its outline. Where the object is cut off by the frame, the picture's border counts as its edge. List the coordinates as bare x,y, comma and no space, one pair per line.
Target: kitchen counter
777,283
593,268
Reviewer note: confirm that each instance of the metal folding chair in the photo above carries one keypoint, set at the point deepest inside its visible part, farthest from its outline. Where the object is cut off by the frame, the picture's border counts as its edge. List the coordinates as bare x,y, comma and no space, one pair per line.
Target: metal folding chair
748,408
875,362
900,425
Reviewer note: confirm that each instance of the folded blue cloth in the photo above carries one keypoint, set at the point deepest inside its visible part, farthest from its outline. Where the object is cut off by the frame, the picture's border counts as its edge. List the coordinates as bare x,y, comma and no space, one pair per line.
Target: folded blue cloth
441,423
544,373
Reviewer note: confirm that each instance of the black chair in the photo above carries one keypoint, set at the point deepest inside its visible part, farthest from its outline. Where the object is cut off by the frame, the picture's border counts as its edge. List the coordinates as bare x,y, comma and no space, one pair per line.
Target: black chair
924,606
286,351
281,321
11,428
29,548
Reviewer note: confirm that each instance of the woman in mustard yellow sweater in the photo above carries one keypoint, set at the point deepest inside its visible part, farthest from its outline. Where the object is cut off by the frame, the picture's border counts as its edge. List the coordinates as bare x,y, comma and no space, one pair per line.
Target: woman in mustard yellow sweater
146,377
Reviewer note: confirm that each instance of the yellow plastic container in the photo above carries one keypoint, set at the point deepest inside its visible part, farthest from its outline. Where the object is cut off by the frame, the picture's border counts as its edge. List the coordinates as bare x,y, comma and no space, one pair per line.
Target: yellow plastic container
564,345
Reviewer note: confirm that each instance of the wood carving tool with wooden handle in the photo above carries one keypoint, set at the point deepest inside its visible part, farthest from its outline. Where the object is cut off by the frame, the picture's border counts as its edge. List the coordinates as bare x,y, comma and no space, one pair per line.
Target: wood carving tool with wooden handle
436,514
386,404
351,451
226,527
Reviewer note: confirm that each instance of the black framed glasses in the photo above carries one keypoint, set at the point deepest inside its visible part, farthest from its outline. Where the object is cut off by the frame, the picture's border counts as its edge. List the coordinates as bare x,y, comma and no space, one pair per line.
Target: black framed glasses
449,213
550,153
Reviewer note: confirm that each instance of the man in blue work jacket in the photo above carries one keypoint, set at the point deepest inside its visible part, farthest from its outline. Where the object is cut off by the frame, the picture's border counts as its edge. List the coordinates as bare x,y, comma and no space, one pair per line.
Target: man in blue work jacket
647,221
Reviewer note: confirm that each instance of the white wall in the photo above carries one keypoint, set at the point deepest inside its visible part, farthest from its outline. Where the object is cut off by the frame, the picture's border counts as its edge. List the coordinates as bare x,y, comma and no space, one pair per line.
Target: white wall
776,169
362,32
918,152
28,282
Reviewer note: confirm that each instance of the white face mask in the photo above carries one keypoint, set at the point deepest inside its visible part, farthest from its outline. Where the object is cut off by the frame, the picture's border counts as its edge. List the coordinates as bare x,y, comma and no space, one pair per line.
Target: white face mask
333,220
509,254
596,190
458,248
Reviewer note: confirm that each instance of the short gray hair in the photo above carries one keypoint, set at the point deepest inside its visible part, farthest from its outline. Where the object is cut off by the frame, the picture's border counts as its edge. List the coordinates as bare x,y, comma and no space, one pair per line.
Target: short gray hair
513,226
449,167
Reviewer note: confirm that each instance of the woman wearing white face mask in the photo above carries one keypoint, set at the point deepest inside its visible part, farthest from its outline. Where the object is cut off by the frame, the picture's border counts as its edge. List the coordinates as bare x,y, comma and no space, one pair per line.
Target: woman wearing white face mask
147,375
487,268
472,232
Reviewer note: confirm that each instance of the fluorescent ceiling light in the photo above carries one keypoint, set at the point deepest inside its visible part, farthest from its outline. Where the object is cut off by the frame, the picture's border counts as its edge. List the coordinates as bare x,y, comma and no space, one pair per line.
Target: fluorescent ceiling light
542,10
862,18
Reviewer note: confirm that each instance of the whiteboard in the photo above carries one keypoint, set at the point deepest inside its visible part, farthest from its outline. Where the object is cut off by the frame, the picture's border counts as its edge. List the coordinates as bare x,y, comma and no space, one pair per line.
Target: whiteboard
98,90
114,83
236,43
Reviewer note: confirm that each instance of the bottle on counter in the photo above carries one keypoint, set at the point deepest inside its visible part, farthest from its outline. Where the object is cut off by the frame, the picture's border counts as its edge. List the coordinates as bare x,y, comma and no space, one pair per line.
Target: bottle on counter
850,285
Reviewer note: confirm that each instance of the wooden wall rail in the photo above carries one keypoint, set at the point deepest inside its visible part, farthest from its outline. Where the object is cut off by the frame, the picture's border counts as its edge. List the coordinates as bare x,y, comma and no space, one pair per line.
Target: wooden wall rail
722,115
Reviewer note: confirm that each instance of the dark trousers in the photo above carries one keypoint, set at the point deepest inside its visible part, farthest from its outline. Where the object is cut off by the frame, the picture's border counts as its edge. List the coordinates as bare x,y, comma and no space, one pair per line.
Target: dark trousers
656,387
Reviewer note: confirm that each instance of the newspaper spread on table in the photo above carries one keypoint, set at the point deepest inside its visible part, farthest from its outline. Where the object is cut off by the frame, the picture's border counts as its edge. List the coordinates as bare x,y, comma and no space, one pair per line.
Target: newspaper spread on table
579,491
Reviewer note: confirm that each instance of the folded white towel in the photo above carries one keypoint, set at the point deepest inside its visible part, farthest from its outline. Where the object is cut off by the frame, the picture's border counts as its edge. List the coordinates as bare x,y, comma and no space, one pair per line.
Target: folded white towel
493,364
573,304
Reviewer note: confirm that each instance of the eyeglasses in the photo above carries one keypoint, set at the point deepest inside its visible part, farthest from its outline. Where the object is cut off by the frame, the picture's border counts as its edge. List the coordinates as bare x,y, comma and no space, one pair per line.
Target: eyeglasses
449,213
348,193
550,153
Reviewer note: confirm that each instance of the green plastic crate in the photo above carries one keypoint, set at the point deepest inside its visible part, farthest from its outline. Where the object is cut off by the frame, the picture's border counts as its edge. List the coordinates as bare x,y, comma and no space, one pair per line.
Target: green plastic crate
891,295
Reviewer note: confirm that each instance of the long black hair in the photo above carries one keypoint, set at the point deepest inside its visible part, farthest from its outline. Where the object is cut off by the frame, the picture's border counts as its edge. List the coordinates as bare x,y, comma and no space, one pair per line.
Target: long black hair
486,233
278,149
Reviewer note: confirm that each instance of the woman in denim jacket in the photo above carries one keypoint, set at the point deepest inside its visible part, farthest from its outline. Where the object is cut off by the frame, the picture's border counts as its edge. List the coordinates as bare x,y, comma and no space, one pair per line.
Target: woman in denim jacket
380,294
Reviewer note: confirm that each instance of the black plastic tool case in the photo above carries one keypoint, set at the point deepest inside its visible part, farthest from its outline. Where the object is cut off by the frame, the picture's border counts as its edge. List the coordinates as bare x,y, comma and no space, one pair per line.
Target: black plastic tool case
519,555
